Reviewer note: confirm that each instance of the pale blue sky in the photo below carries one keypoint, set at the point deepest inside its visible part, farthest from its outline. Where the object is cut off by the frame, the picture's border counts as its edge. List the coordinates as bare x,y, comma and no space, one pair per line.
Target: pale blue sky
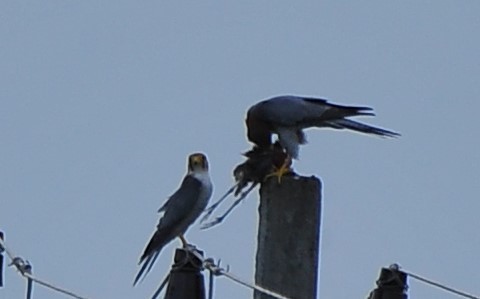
101,102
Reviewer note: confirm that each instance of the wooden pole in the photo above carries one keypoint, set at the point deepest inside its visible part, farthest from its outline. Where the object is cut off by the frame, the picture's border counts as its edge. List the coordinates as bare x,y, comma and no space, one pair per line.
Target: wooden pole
288,237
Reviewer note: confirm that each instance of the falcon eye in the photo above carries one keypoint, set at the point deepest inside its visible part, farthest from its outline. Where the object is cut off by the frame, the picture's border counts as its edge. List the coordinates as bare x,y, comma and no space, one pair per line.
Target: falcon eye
198,160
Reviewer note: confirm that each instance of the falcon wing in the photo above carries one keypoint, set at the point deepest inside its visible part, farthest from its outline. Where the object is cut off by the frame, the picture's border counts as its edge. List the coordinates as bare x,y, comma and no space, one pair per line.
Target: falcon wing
180,204
177,209
287,111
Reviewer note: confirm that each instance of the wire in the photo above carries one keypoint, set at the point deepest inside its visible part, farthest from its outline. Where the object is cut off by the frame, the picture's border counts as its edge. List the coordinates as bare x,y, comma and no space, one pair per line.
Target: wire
2,259
25,270
23,267
439,285
6,249
162,285
210,284
253,287
216,270
58,289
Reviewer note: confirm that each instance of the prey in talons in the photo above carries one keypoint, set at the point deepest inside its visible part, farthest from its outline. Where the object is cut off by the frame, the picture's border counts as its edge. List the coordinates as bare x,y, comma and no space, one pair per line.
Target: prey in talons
261,164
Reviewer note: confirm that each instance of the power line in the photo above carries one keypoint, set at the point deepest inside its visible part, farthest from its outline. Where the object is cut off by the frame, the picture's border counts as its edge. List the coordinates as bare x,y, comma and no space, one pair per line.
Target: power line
436,284
24,268
5,248
1,260
216,270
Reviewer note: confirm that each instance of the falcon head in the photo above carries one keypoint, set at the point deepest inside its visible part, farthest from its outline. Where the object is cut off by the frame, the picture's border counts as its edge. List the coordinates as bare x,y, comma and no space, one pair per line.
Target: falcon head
197,162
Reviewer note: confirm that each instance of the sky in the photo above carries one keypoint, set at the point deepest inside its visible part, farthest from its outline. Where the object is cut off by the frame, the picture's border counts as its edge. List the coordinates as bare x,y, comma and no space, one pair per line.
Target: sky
101,103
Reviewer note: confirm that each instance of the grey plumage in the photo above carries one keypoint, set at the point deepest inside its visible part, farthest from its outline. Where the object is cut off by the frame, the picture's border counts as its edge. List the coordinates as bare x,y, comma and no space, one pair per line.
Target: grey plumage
287,116
180,211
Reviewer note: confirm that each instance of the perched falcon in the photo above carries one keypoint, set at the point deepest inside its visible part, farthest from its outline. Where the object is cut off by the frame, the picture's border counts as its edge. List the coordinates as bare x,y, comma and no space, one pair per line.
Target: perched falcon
180,211
287,116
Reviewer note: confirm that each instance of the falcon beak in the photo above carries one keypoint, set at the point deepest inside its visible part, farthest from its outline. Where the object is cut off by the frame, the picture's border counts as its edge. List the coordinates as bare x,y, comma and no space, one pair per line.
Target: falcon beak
198,160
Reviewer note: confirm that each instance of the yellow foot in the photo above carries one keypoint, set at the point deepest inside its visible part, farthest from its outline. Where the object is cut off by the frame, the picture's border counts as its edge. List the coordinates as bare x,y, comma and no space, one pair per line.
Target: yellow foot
285,168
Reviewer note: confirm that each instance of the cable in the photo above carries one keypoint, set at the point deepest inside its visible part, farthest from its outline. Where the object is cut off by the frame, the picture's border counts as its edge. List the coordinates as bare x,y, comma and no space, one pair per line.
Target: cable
251,286
5,248
2,259
216,270
58,289
439,285
162,285
25,270
23,267
210,284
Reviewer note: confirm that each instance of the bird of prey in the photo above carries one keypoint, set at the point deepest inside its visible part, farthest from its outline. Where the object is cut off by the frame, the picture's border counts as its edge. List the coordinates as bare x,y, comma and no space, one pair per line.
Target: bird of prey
180,211
260,164
287,116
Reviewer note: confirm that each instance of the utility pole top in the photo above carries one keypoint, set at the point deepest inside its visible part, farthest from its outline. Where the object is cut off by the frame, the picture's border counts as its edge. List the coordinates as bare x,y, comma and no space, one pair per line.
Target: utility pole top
288,237
186,279
392,284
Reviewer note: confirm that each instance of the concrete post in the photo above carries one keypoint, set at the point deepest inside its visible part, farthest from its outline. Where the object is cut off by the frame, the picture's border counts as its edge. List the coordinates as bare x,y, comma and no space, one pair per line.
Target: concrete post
288,237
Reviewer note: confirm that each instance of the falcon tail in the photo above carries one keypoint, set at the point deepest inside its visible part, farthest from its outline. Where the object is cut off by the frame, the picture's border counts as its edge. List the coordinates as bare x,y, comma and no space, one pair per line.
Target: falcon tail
149,256
362,128
146,267
338,111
